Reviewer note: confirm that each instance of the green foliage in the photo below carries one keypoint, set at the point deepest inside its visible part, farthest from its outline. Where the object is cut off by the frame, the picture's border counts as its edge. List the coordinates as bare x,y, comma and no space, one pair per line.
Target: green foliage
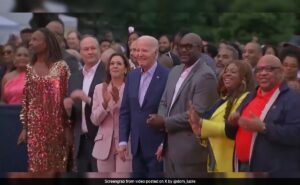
270,20
268,27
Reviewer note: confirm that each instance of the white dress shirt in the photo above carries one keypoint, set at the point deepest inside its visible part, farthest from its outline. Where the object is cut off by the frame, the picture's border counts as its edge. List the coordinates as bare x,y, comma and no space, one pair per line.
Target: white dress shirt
88,76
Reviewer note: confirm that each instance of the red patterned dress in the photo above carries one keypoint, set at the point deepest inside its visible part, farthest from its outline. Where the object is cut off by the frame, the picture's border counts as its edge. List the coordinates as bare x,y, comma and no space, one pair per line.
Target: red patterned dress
44,118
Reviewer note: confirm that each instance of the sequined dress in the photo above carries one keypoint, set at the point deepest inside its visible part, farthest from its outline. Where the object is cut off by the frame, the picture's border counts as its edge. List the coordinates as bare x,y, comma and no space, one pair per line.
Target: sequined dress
44,118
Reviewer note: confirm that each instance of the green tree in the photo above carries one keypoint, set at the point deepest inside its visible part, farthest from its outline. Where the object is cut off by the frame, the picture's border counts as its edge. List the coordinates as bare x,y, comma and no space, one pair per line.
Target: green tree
268,27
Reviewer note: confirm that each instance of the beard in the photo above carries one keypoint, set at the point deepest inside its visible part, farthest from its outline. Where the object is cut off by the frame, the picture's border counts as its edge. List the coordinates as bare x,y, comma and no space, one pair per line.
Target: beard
164,50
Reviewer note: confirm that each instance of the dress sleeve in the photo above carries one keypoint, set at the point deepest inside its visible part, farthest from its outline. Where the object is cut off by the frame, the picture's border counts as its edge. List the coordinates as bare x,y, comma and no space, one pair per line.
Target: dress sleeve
64,79
25,99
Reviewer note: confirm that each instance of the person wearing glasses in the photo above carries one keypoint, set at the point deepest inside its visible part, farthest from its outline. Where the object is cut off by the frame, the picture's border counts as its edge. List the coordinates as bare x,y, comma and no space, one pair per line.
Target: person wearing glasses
234,84
266,126
194,81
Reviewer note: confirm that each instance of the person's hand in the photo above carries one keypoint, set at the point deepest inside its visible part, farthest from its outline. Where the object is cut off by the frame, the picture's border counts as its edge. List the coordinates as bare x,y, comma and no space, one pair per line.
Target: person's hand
253,123
194,119
156,121
80,95
159,153
233,118
122,152
68,103
105,95
115,94
22,137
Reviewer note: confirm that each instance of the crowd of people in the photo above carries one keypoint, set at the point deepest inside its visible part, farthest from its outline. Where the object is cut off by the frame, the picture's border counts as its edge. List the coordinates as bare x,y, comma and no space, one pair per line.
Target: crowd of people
176,106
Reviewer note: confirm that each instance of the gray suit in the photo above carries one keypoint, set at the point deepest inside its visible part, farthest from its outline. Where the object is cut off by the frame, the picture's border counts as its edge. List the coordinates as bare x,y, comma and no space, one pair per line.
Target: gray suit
184,156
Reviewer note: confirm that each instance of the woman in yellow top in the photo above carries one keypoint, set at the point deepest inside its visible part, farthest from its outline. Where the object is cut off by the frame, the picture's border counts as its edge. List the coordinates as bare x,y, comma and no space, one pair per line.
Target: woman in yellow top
234,84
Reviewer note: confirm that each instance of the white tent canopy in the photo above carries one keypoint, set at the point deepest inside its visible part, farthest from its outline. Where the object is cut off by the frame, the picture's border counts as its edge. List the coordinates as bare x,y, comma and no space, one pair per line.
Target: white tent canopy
23,20
12,23
70,22
7,27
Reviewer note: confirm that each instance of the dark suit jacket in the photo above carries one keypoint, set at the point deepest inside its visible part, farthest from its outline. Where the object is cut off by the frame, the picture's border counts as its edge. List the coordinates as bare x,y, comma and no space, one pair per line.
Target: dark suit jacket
278,148
72,62
133,116
76,82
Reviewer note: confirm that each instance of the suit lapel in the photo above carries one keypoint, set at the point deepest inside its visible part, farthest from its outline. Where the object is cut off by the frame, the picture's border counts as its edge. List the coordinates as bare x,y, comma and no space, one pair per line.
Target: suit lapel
188,78
153,83
98,78
173,83
219,110
136,84
80,83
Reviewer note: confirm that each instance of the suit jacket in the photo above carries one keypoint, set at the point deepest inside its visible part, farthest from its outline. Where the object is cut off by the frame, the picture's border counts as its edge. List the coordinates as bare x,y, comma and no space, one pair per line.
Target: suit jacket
278,147
133,116
221,153
107,120
72,62
76,82
200,86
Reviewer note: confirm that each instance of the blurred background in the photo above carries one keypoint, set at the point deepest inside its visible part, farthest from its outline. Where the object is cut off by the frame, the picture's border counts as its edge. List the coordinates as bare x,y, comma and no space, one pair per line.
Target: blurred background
268,20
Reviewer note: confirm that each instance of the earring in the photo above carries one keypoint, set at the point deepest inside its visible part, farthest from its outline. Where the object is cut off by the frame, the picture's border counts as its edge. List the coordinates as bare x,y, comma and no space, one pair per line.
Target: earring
244,85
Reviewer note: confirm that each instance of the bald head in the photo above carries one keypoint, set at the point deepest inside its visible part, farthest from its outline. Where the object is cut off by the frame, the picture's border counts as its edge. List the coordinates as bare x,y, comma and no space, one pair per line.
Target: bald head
190,48
56,27
270,60
268,72
194,37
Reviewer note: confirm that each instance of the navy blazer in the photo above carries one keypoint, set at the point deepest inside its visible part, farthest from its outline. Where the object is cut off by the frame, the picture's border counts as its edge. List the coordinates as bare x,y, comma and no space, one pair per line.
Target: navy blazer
133,116
278,147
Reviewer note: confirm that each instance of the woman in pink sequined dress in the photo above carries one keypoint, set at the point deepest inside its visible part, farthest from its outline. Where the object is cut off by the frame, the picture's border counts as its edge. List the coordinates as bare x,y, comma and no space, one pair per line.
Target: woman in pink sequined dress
45,126
13,82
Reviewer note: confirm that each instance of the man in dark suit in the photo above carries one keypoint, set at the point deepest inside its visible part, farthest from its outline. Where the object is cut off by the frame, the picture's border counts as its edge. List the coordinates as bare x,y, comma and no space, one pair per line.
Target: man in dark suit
143,89
57,27
79,103
194,81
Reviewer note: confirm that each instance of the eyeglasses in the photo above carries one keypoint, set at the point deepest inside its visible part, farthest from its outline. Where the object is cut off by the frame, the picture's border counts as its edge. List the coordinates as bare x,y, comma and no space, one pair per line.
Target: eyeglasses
8,52
267,69
187,47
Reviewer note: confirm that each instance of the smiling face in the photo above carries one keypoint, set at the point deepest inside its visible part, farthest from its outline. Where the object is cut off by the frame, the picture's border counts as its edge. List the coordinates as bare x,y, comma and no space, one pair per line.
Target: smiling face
164,44
73,41
189,49
22,57
252,53
147,51
117,68
268,72
231,77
